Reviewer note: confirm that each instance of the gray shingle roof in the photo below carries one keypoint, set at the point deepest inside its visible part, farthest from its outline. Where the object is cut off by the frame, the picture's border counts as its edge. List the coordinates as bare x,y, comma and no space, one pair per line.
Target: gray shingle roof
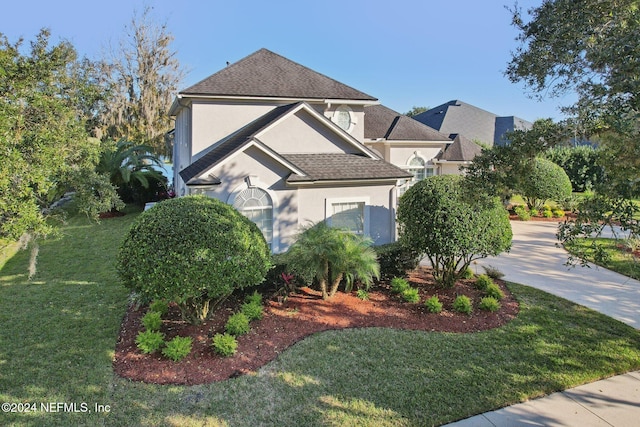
267,74
230,144
342,167
462,150
471,122
383,122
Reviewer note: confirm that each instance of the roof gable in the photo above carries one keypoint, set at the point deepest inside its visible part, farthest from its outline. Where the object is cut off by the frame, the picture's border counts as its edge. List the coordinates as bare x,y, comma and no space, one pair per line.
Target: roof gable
383,122
249,135
267,74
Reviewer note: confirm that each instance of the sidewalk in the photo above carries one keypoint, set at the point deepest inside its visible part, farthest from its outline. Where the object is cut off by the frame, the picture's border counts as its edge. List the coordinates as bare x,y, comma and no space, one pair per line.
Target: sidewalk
611,402
536,261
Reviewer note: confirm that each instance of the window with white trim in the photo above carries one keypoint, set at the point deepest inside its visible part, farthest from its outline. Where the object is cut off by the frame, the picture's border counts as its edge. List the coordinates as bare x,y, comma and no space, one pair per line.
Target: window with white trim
256,204
348,214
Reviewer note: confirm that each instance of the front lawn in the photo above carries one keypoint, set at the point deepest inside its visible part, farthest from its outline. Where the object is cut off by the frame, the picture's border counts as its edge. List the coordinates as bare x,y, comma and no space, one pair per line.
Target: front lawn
59,330
619,259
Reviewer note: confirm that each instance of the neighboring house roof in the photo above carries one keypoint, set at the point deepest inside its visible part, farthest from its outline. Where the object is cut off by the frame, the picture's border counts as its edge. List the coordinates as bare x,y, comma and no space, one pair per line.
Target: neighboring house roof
317,167
462,150
382,122
267,74
342,167
471,122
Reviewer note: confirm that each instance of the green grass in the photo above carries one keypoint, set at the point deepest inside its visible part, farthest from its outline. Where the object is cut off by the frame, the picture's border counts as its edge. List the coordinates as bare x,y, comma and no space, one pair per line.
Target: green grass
59,331
618,260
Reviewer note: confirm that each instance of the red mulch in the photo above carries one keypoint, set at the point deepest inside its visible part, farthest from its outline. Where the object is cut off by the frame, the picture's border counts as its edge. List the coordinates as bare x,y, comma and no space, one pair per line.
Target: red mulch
302,314
567,216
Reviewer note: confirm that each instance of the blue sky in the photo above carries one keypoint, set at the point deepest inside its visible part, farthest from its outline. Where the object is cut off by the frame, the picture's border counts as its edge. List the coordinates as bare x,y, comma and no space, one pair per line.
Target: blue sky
404,52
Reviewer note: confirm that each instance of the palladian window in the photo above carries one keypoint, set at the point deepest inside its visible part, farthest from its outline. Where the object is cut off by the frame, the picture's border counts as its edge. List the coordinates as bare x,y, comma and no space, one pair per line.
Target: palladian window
256,204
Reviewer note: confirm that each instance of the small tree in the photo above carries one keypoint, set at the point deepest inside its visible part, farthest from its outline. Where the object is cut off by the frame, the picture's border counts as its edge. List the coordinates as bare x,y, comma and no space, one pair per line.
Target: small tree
440,219
331,255
192,250
544,180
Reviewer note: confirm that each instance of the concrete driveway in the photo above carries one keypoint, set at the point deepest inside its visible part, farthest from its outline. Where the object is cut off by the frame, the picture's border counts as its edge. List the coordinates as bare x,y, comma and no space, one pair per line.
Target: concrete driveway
535,260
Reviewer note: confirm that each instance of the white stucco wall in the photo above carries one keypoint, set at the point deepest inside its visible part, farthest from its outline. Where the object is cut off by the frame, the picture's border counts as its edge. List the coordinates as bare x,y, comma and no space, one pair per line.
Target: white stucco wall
381,206
450,168
182,151
302,133
214,121
400,155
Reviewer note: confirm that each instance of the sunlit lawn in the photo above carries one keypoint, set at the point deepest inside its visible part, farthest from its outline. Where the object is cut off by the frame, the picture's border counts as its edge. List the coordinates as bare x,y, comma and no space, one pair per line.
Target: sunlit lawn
619,259
59,331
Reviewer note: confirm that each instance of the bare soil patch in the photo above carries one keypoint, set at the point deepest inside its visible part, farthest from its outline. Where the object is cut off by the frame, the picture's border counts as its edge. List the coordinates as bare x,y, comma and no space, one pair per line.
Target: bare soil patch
284,323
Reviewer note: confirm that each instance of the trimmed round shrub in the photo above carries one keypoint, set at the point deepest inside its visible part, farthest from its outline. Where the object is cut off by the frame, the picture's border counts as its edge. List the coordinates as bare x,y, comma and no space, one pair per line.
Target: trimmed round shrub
544,181
192,250
489,304
462,304
237,324
433,304
225,344
452,225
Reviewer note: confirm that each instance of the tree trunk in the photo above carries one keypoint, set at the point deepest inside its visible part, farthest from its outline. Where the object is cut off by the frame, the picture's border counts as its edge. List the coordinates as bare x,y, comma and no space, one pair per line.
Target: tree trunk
334,286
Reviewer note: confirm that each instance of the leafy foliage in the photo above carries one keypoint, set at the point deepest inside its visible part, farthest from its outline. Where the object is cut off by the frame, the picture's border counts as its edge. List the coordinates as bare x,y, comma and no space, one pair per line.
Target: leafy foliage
396,259
252,310
489,304
152,321
332,255
192,250
439,218
582,165
483,281
411,295
178,348
462,304
128,166
500,169
46,149
415,111
237,324
433,304
399,285
590,47
159,306
545,181
523,213
149,341
494,291
225,344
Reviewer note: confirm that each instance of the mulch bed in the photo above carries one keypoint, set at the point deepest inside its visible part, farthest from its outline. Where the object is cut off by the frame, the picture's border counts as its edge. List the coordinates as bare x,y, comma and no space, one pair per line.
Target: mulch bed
284,323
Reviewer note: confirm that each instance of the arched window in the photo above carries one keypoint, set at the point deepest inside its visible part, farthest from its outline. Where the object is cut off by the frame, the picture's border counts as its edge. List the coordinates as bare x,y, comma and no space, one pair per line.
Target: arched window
416,167
256,204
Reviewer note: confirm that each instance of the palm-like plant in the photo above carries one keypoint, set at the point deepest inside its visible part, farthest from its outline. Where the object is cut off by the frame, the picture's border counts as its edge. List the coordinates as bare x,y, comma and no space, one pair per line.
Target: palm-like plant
126,162
333,255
